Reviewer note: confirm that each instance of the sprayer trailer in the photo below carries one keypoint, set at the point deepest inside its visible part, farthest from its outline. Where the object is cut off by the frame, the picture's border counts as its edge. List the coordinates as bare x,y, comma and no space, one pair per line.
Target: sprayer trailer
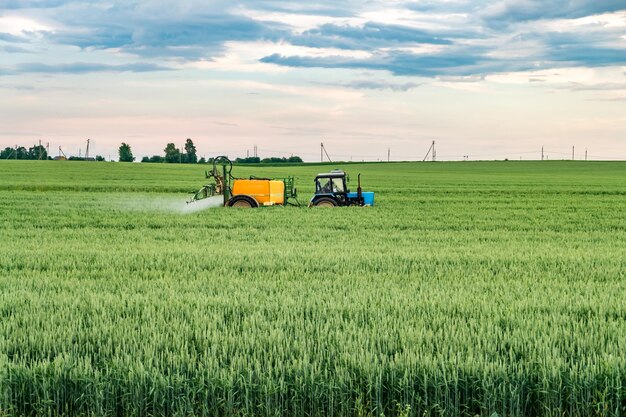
250,192
256,192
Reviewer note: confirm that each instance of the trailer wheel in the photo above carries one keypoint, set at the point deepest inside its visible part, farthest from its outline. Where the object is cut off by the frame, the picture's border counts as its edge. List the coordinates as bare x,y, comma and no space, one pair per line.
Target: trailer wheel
242,201
325,202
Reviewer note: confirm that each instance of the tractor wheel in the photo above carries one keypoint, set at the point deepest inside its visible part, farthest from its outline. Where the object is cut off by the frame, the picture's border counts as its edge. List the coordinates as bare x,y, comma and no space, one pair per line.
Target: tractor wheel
242,201
325,202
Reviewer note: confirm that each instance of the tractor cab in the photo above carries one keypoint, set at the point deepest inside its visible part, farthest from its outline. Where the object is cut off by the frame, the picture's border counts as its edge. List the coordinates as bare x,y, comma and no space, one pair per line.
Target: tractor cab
331,190
331,183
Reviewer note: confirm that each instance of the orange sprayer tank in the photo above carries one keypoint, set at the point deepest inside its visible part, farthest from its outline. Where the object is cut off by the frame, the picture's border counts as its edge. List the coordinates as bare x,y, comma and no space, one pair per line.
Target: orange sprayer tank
266,192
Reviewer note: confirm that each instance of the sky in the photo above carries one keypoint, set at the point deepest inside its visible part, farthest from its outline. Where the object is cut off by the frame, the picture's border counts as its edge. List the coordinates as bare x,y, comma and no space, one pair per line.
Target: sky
483,79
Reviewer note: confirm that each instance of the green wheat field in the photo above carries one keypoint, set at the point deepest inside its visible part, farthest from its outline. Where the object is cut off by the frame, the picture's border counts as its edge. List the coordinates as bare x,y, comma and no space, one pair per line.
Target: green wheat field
471,288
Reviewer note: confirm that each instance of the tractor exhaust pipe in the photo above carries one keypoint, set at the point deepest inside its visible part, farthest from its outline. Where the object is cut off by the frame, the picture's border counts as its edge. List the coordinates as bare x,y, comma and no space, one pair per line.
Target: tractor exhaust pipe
359,192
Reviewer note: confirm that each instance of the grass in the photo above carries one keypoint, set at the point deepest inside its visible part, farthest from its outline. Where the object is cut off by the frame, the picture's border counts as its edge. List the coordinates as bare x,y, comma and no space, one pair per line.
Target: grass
471,288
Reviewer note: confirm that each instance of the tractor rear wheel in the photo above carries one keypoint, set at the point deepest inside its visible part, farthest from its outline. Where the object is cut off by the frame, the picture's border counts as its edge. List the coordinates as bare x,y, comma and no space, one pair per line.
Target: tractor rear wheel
325,202
242,201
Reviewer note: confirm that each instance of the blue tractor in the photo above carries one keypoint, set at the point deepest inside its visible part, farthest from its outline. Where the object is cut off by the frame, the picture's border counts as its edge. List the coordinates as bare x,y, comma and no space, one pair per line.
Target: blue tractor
331,190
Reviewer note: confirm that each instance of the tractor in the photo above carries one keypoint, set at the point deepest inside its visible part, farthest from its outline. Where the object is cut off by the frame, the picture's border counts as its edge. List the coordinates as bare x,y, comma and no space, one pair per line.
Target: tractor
245,192
331,190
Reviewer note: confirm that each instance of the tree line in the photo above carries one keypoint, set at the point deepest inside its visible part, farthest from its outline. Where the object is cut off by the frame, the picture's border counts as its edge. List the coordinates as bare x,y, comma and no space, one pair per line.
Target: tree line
174,155
271,160
38,152
20,152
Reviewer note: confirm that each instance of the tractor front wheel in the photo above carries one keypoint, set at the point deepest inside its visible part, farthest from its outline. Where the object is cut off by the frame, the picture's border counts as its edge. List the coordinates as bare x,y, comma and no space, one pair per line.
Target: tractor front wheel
242,201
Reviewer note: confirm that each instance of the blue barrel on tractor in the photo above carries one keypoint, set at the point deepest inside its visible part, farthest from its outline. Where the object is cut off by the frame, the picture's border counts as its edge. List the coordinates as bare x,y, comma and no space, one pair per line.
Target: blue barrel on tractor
368,197
331,190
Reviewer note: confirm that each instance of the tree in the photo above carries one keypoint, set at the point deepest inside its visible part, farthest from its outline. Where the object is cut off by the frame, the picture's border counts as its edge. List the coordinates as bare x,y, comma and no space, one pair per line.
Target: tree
172,153
125,153
154,158
22,153
7,153
202,160
37,152
190,150
99,158
248,160
275,159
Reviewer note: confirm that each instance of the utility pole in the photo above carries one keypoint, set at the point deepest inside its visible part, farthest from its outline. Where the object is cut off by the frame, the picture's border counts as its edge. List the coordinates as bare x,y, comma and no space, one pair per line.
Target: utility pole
542,153
585,154
323,152
388,154
572,153
247,153
431,149
39,158
87,150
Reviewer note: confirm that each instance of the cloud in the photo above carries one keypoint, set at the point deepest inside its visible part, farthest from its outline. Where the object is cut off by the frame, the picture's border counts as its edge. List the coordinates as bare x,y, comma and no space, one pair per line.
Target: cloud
332,9
32,4
7,37
369,36
609,99
149,31
587,42
379,85
18,87
591,57
456,62
595,87
426,38
14,50
79,68
506,11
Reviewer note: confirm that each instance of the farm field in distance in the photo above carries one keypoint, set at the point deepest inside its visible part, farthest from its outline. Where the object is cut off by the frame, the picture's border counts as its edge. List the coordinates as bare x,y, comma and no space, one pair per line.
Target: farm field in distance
471,288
